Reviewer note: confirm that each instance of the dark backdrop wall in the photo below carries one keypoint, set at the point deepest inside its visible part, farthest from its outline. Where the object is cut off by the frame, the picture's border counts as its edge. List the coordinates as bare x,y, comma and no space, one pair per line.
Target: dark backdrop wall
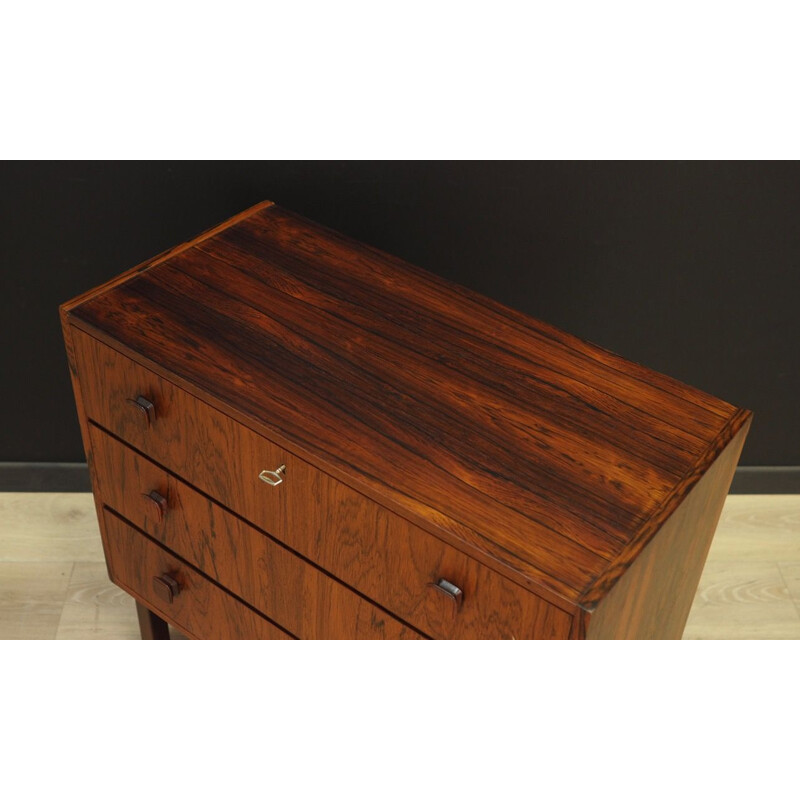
690,268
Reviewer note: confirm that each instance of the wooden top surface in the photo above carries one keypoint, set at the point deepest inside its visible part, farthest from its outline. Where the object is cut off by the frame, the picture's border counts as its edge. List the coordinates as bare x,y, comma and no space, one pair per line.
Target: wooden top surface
552,458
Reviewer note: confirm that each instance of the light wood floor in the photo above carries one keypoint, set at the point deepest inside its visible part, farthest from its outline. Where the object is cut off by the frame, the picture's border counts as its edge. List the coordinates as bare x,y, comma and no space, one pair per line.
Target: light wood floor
54,585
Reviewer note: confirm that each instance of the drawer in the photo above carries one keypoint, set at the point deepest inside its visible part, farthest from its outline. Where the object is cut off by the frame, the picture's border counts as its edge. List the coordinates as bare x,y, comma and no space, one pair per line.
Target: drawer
284,587
394,563
176,592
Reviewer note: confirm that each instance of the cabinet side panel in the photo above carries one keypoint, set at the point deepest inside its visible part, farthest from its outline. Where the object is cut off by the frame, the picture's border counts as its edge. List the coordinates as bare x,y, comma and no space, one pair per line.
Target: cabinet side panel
653,598
67,330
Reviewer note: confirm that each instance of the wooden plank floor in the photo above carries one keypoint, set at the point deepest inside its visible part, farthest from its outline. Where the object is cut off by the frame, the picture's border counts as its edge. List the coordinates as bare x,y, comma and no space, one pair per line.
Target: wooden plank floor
53,578
54,585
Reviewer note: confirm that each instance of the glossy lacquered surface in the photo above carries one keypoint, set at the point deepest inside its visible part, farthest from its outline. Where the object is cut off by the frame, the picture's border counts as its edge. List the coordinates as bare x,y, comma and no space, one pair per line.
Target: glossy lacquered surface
198,607
292,592
391,561
551,459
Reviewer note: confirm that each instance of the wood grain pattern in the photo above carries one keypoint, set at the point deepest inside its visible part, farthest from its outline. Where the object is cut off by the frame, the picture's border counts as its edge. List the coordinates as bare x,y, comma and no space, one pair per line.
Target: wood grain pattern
69,332
201,610
744,592
364,545
760,528
32,598
96,291
287,589
48,526
310,511
790,573
544,456
653,597
664,513
745,599
95,608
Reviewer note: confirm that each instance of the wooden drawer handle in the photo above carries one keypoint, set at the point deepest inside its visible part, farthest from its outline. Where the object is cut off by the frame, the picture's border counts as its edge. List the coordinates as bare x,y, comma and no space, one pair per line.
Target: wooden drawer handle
146,407
273,477
166,587
158,501
451,591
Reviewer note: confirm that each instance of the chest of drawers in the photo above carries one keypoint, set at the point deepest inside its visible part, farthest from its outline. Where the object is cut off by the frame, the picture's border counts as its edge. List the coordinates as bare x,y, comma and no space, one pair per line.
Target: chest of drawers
293,435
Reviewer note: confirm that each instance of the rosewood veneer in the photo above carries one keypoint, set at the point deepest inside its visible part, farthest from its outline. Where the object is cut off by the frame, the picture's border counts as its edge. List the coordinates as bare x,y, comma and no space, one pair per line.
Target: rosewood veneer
293,435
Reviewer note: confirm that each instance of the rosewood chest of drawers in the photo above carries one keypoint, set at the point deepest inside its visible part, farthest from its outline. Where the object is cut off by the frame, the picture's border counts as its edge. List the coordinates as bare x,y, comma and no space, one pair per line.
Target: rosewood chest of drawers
294,435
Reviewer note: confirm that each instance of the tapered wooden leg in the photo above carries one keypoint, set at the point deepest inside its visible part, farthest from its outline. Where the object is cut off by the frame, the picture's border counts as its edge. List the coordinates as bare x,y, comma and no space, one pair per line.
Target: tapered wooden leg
151,625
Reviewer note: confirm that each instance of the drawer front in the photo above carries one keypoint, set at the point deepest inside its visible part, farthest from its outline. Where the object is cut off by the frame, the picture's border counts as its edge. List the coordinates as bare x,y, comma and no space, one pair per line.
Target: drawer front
178,593
289,590
381,555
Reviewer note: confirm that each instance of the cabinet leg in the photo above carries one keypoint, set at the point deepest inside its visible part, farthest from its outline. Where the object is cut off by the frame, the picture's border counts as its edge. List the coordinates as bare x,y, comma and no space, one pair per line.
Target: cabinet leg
151,625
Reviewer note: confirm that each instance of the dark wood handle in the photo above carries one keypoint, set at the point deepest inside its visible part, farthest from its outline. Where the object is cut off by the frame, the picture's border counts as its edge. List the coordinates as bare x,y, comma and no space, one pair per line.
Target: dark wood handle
451,591
159,502
146,407
166,587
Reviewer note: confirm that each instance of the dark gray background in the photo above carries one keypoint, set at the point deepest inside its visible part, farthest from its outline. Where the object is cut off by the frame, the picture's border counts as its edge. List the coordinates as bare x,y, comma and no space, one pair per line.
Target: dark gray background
690,268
